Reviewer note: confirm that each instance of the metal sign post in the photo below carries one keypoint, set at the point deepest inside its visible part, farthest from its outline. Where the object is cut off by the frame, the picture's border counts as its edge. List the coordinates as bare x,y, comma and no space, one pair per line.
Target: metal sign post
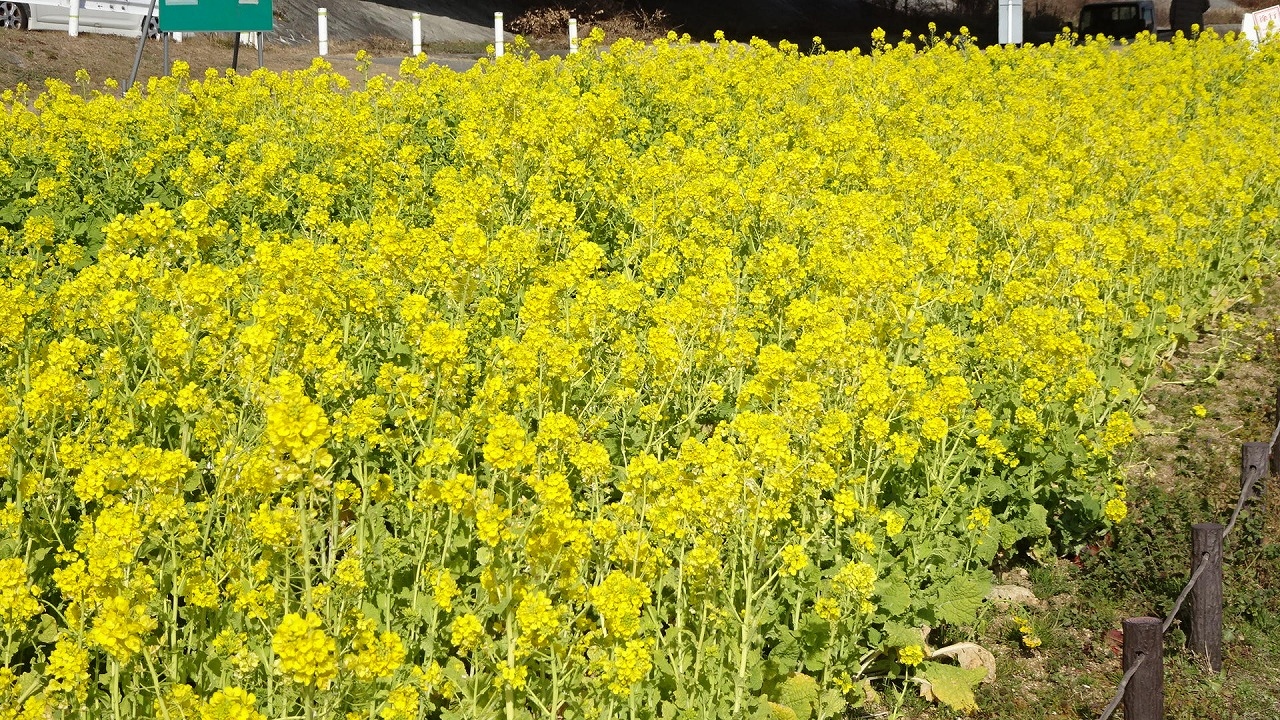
179,16
142,40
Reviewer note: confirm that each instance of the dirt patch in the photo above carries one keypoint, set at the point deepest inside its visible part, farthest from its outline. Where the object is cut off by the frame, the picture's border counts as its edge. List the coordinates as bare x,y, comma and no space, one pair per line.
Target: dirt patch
31,57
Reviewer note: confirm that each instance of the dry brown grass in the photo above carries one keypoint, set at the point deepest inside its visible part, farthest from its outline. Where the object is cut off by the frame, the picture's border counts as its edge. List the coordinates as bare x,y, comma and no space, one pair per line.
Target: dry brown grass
32,56
615,18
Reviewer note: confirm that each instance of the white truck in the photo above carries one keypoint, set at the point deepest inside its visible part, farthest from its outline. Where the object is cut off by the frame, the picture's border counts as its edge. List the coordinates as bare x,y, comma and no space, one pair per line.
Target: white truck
115,17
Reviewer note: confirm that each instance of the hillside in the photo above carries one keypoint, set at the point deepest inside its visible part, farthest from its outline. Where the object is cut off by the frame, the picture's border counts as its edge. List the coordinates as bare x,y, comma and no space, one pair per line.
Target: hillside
442,20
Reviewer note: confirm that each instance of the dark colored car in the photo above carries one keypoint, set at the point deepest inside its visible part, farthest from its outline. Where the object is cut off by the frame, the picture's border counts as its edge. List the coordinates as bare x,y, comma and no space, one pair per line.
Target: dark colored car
1117,20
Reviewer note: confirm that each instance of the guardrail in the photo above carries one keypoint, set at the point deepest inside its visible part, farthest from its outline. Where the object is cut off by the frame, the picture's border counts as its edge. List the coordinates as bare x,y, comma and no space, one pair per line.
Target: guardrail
1141,689
415,33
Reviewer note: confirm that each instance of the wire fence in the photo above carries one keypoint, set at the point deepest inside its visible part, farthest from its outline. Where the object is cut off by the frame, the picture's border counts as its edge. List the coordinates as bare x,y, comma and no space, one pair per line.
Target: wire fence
1141,690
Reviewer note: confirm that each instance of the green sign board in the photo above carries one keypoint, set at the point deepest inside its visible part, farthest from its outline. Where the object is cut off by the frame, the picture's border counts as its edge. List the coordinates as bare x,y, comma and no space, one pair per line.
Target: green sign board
215,16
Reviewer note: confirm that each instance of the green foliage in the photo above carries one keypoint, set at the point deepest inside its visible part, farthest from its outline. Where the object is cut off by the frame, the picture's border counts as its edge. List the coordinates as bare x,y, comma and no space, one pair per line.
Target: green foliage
799,693
950,685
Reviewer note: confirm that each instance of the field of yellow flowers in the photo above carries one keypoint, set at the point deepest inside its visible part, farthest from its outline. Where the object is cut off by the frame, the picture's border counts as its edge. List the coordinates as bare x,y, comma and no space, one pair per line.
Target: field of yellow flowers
678,380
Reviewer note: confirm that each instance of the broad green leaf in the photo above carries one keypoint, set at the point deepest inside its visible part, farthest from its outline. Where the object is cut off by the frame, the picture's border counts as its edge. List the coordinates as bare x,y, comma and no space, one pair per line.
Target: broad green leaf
786,654
970,656
778,711
959,600
950,685
799,693
1034,522
895,596
899,635
832,703
815,635
987,547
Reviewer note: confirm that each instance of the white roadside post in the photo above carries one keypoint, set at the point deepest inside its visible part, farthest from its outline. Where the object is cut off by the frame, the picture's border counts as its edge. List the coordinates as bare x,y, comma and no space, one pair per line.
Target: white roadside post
322,16
417,34
177,37
573,35
497,34
1010,30
73,19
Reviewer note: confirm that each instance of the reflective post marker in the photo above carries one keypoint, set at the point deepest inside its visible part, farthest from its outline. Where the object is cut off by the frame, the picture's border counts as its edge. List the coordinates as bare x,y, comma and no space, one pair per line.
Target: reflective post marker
1010,29
573,35
322,16
497,34
417,34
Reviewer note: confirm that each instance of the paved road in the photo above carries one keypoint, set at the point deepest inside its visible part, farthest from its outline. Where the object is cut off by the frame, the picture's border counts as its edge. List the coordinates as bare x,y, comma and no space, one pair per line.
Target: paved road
457,63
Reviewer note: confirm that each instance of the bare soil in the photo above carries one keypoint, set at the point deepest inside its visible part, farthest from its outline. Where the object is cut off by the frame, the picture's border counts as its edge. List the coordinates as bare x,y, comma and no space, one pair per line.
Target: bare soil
32,56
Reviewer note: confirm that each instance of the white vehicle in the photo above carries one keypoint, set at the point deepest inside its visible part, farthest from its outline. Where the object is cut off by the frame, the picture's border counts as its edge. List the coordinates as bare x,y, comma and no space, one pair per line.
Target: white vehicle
123,17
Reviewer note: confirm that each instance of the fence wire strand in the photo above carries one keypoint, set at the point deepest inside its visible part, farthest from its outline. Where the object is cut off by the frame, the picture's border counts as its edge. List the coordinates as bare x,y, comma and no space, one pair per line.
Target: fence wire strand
1186,590
1245,492
1124,682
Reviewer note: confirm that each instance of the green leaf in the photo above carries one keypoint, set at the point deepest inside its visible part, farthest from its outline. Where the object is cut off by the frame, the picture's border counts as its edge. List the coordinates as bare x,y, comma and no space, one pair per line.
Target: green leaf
899,635
985,550
833,703
1034,523
779,711
768,612
455,671
874,636
755,673
786,654
950,685
372,611
1053,463
799,693
47,630
959,600
815,634
663,665
895,596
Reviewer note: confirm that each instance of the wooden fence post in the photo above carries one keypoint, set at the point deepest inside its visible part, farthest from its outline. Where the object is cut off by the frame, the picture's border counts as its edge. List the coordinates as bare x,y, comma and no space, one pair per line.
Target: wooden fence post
1204,634
1275,458
1144,695
1255,460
